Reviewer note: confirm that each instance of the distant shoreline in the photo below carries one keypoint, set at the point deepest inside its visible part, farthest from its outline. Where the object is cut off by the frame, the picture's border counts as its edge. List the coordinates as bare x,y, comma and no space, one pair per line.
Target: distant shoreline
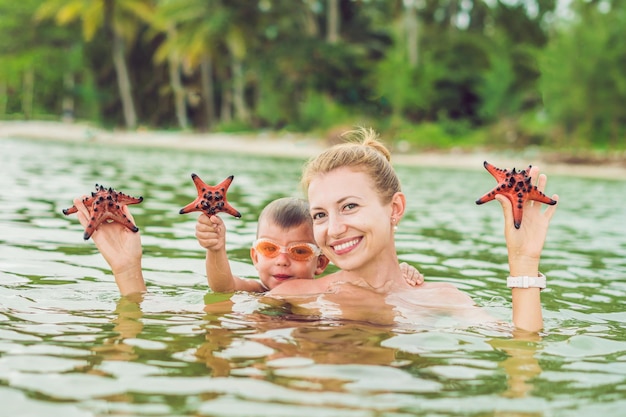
289,145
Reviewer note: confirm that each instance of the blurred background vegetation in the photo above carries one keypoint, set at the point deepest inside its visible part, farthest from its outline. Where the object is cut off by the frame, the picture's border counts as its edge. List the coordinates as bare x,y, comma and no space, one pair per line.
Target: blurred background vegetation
431,74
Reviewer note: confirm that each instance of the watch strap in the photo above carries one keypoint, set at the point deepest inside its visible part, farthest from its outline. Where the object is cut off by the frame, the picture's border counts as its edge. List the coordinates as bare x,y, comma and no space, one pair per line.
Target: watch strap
527,282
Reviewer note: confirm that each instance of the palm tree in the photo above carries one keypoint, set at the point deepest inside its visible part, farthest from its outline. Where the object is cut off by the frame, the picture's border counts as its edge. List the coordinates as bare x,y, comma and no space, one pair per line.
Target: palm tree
119,20
204,31
192,29
173,53
412,31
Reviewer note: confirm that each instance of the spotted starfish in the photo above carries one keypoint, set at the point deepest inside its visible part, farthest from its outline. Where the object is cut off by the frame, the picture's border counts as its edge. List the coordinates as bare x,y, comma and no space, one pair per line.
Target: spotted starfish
106,205
211,199
517,187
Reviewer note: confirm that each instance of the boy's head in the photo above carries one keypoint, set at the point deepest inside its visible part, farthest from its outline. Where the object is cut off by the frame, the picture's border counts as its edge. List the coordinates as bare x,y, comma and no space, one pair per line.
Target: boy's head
286,213
285,248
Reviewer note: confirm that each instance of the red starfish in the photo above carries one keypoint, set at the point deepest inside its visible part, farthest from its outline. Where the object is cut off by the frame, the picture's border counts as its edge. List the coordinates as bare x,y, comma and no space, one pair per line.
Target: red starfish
517,187
211,199
104,205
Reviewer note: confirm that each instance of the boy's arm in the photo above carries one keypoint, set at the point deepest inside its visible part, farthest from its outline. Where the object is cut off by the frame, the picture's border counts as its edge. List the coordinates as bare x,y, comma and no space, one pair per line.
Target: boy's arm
211,235
221,278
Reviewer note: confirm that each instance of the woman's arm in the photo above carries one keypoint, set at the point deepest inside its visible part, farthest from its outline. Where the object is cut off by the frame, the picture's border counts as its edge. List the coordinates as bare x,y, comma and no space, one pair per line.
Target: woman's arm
120,247
524,246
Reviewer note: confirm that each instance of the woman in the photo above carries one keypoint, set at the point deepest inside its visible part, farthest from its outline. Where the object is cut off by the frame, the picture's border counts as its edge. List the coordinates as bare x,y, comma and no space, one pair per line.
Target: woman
356,204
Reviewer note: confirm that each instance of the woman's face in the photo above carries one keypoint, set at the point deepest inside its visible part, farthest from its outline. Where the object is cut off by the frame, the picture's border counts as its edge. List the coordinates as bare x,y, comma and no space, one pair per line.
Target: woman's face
350,223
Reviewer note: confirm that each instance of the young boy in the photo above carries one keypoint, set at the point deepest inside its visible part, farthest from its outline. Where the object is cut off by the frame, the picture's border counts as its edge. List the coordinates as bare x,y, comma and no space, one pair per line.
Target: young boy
284,249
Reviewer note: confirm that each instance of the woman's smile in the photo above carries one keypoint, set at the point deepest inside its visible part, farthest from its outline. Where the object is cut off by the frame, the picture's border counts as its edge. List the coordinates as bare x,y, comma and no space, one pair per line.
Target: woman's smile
345,247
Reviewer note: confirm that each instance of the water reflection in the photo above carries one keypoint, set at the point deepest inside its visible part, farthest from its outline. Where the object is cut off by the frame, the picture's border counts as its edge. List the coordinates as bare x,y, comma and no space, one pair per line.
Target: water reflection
69,345
128,325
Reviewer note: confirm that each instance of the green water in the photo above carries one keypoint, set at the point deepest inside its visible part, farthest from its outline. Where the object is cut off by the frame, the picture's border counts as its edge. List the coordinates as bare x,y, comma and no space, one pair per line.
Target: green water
70,346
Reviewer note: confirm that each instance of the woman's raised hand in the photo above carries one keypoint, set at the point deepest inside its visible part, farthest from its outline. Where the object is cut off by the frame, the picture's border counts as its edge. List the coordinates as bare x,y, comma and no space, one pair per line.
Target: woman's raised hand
525,244
121,249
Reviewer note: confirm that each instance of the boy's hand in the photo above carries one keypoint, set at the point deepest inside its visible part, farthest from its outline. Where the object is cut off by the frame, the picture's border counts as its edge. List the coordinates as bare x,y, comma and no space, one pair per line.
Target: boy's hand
411,275
211,232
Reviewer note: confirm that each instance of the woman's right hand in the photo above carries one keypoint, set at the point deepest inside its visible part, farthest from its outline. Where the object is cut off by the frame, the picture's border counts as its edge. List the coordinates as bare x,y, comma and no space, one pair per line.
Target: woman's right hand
120,247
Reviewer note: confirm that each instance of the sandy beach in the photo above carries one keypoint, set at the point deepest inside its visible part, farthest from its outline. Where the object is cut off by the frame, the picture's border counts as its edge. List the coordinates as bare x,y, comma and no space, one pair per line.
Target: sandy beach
290,145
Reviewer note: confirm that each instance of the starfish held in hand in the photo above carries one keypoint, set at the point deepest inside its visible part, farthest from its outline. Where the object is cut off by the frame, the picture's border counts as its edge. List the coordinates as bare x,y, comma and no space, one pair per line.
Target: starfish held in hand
106,205
211,199
517,187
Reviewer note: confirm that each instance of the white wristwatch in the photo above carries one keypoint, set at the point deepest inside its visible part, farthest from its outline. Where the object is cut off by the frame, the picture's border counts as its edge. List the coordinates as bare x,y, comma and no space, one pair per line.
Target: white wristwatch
527,282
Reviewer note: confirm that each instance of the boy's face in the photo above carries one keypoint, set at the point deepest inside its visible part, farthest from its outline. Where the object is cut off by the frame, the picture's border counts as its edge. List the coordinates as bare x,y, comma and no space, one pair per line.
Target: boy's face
276,270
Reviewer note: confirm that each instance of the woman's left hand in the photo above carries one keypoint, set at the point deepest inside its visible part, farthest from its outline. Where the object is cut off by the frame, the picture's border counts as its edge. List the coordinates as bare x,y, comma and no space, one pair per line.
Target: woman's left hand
525,244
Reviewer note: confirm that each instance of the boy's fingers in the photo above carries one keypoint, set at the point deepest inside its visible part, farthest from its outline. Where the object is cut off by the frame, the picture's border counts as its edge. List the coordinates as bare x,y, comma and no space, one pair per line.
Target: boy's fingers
216,220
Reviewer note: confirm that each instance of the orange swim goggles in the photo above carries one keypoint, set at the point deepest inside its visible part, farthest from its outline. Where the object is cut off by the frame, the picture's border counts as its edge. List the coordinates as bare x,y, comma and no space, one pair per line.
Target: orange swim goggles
296,251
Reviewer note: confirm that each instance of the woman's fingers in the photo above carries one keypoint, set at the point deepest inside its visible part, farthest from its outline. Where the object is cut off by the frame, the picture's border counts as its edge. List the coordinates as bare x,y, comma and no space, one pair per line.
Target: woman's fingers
541,182
551,209
83,213
507,209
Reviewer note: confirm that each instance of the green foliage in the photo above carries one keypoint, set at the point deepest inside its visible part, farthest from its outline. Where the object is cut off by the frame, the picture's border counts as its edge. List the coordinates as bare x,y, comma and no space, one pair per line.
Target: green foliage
496,86
235,127
429,136
497,73
407,91
31,47
583,82
319,111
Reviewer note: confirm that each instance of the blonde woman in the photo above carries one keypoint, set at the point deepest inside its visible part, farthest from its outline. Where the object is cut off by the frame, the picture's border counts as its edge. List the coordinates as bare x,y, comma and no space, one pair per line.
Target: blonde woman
356,203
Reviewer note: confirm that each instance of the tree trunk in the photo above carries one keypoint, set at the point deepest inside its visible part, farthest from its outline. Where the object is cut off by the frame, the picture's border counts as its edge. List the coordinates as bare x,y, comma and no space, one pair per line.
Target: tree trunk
121,69
239,100
310,23
123,82
333,22
176,84
208,92
412,32
28,89
4,97
68,98
226,114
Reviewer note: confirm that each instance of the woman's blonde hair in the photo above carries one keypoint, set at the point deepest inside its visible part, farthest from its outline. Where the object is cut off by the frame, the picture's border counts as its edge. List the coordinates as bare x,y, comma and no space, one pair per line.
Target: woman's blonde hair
362,152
